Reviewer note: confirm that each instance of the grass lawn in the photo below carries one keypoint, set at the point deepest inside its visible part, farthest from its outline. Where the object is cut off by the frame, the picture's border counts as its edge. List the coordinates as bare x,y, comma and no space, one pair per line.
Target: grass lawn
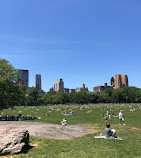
90,117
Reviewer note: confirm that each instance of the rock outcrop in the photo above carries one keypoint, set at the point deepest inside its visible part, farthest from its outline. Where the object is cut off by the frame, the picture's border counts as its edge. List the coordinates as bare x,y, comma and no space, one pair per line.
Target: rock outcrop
13,141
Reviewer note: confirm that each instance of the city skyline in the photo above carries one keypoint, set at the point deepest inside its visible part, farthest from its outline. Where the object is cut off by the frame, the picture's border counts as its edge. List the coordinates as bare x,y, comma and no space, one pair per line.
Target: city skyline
79,41
119,81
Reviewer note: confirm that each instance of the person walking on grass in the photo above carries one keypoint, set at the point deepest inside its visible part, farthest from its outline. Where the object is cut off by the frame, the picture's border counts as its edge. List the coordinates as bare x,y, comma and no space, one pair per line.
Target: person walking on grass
109,117
102,117
121,117
106,118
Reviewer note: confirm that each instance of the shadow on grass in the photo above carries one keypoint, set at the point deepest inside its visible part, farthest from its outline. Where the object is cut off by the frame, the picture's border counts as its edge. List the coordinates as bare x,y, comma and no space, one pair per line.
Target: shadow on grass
26,149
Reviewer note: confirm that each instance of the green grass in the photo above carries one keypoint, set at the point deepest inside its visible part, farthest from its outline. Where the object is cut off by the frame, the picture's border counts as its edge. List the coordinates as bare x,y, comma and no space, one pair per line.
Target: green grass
86,146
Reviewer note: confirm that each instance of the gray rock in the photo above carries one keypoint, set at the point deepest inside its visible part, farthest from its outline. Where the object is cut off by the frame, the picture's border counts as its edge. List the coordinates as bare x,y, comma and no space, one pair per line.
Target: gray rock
13,141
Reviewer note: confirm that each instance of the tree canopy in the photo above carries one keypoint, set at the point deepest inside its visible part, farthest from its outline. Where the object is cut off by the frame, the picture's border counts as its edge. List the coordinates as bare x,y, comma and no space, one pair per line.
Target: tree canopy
7,71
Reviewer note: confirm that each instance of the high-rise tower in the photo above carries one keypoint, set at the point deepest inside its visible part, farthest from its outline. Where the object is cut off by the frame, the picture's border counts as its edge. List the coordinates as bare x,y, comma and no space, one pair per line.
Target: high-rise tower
124,80
38,82
112,81
59,86
23,77
118,81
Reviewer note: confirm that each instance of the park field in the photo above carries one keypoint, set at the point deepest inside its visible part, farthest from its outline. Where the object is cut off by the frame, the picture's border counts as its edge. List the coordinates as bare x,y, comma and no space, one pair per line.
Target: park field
89,116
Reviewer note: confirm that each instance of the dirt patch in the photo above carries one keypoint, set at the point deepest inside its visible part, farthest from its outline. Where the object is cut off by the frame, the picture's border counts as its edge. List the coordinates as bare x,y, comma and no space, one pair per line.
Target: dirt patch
92,127
134,128
46,130
121,127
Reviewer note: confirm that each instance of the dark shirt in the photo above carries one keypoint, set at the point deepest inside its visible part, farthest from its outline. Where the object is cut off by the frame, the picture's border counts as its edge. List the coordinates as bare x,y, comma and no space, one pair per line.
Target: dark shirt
108,132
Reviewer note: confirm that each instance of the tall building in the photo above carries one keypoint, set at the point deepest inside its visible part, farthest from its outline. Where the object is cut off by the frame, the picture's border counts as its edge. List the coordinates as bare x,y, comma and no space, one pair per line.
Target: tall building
59,86
23,77
124,80
112,81
118,81
38,82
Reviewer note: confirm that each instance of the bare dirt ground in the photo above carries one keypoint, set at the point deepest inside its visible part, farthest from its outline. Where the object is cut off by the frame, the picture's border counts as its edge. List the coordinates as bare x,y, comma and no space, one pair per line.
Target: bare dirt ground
46,130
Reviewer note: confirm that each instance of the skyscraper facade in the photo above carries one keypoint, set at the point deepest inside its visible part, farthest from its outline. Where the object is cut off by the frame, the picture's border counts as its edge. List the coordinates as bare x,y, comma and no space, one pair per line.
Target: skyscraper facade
119,81
23,77
38,82
112,81
124,80
59,86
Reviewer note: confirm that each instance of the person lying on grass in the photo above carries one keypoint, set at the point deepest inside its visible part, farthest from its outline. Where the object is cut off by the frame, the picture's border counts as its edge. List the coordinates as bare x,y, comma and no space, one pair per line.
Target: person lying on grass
110,133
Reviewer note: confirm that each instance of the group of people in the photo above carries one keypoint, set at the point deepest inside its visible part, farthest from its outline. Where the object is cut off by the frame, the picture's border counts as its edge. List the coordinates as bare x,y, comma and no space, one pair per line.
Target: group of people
108,116
112,133
47,114
16,118
105,117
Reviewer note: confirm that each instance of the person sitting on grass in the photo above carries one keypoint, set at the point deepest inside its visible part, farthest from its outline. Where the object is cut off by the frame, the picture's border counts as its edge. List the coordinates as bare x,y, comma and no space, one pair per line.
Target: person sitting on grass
114,133
108,132
64,122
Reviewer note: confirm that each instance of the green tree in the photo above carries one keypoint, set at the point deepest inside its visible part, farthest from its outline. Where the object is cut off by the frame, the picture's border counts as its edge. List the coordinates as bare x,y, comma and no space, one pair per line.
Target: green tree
79,98
93,97
32,96
11,95
40,100
7,72
117,96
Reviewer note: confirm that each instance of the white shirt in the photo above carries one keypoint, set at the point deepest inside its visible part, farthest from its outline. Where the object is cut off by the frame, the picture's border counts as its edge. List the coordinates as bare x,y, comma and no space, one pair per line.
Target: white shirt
120,115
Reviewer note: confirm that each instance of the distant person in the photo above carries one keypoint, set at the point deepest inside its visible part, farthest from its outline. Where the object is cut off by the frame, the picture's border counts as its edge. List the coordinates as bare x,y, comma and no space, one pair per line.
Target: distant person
6,117
106,118
74,112
121,117
64,122
48,113
109,117
102,117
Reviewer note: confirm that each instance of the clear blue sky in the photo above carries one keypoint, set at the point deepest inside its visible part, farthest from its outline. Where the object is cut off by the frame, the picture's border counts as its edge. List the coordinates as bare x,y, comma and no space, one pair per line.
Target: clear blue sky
81,41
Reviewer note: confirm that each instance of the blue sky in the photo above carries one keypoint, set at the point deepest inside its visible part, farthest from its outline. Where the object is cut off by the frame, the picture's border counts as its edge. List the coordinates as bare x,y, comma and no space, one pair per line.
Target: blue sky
81,41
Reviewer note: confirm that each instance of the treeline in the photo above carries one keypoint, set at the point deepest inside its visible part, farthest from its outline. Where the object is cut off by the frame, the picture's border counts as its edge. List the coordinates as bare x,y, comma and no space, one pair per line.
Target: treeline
123,95
12,94
19,95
